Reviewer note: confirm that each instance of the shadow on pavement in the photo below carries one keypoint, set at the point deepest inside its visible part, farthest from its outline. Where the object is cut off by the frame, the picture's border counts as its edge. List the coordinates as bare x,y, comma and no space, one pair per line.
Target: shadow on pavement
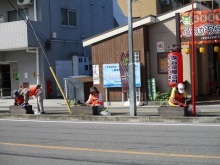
208,100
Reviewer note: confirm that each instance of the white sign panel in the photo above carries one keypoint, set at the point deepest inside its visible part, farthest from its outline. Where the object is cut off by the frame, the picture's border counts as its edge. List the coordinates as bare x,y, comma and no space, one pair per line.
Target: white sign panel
96,79
160,46
112,78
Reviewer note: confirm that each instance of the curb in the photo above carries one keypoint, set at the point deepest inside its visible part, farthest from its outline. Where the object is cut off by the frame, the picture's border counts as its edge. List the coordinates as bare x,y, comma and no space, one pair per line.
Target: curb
135,119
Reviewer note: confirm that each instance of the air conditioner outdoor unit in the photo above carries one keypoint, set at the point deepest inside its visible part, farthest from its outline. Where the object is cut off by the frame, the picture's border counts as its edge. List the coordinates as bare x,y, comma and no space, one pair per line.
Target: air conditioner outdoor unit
2,19
24,2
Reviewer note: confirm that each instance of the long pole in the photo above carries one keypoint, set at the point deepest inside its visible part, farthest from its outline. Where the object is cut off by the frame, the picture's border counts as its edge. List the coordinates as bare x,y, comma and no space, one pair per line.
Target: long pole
193,64
132,91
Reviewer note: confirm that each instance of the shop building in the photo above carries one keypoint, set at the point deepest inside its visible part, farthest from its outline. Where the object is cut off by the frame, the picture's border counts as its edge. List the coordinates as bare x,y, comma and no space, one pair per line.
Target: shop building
152,38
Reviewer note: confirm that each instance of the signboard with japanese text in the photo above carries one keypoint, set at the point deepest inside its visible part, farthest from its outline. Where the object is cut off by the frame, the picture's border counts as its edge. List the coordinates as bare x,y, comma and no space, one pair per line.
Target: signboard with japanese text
151,86
96,79
123,60
175,68
162,63
111,75
206,26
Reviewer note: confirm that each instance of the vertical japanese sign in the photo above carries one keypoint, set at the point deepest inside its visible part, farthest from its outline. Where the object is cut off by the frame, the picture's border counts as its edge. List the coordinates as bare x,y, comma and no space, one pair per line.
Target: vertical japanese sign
151,85
206,26
96,79
123,60
175,68
172,69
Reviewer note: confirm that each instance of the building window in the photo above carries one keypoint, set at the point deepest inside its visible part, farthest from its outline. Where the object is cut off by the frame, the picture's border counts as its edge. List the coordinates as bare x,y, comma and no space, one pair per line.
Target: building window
16,15
68,17
86,67
85,60
136,56
80,59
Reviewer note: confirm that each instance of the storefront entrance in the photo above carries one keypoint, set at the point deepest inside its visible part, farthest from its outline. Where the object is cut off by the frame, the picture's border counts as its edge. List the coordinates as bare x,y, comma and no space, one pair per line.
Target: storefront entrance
214,70
5,80
208,70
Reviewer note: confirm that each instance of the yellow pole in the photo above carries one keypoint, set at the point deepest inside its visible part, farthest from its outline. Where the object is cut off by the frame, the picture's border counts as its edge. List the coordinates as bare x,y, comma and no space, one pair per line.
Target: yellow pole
58,84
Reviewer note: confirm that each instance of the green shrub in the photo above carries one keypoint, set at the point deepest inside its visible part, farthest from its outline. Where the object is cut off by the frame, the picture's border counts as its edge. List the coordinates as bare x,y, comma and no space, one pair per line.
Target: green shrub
163,96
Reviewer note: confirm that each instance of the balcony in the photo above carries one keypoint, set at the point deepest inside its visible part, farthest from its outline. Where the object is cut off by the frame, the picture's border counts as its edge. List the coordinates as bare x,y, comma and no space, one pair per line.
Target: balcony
16,36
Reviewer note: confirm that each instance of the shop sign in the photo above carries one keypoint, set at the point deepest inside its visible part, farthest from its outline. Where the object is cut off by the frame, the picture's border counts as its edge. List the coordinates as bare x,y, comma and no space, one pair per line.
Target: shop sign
206,26
160,46
112,77
175,68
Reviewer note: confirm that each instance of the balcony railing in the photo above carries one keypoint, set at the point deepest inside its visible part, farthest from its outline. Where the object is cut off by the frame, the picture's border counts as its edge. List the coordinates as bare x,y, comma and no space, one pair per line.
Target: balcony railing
13,35
16,36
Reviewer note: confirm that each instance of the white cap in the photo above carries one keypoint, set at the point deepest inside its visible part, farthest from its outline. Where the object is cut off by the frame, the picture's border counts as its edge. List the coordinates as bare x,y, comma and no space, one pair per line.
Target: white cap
181,88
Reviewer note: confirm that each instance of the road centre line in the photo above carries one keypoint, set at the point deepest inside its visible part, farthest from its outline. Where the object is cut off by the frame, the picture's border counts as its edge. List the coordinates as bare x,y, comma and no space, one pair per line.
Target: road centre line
111,151
117,123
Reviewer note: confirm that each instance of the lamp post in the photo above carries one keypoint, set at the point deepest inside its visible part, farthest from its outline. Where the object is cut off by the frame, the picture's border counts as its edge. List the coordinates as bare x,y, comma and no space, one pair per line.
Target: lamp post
193,64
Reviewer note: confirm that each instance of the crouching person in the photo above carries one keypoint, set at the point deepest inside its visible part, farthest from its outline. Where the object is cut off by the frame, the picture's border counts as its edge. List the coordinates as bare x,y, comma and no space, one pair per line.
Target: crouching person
95,99
18,99
178,96
27,92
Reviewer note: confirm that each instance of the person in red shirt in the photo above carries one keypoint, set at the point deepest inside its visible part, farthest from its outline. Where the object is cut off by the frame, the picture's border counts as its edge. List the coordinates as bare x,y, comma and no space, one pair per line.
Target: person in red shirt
19,100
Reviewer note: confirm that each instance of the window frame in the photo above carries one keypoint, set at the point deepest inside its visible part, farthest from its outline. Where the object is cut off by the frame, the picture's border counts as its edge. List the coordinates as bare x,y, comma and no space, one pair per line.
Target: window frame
18,17
86,67
68,20
136,56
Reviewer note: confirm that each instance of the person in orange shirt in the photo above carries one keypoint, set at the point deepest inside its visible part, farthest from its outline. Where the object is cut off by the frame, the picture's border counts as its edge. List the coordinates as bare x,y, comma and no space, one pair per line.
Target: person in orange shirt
31,91
95,98
178,96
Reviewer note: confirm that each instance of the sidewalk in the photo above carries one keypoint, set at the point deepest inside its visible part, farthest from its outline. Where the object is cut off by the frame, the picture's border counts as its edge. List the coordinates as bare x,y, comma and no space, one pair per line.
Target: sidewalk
208,112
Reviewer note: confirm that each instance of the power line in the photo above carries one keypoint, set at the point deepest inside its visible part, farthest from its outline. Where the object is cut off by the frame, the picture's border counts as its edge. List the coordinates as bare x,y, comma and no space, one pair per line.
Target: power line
24,19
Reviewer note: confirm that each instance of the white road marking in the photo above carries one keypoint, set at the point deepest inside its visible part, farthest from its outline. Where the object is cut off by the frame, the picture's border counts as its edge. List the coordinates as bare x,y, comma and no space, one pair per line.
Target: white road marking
117,123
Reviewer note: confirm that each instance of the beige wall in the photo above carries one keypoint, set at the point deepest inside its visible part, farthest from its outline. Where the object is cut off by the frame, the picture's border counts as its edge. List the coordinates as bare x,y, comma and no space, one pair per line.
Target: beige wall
186,67
161,32
166,32
141,8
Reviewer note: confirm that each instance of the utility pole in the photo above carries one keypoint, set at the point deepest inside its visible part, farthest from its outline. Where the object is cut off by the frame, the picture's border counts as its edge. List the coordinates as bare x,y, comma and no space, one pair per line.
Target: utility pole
193,65
132,88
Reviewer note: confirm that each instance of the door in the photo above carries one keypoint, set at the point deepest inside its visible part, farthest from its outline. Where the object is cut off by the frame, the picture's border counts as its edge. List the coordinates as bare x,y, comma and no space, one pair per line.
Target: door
5,80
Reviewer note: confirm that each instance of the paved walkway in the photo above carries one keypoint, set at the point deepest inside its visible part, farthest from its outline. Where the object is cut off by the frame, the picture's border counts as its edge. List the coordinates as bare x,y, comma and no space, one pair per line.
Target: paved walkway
208,110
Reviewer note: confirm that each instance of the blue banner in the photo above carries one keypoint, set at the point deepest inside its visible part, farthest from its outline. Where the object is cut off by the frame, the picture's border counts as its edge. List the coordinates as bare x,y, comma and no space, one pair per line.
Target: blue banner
111,75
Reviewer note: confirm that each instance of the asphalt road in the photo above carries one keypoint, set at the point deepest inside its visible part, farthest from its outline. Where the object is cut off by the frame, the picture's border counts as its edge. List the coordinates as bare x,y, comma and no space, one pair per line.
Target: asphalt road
32,142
